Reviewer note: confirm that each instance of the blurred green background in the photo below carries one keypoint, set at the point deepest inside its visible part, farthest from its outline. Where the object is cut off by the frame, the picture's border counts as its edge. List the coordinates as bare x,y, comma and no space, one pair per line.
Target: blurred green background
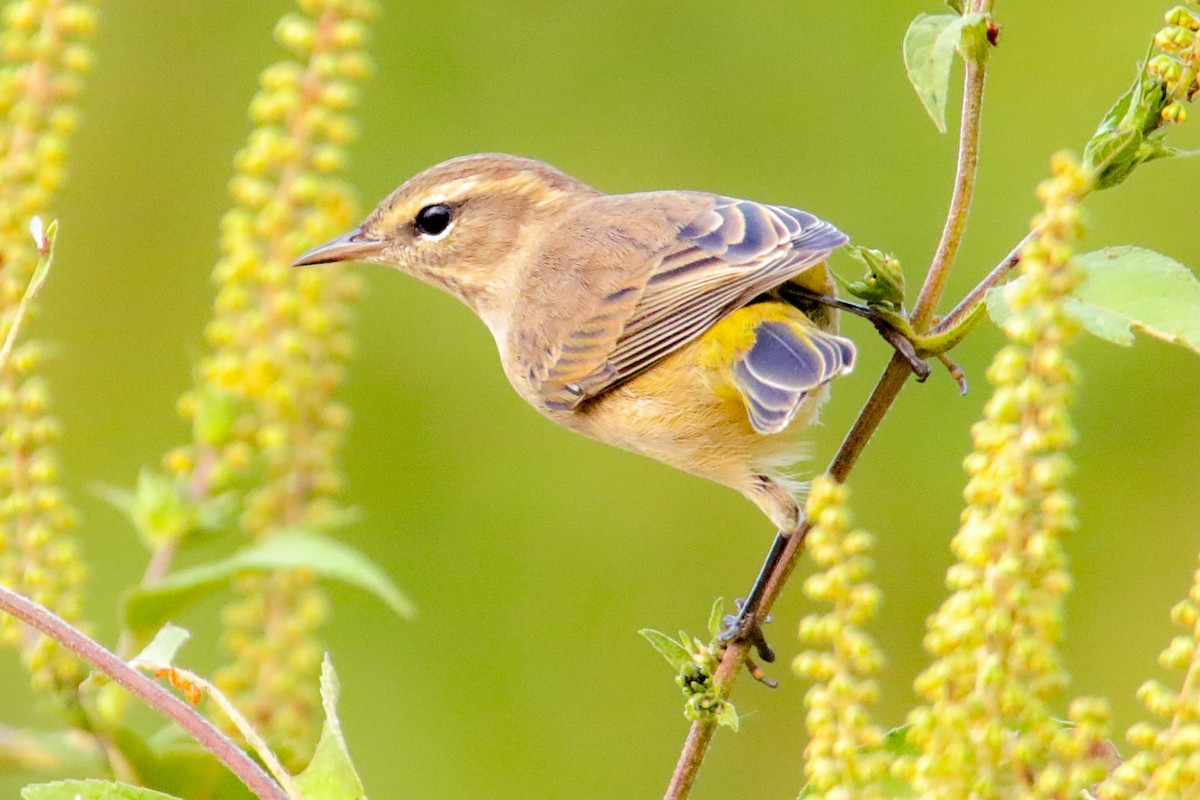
536,555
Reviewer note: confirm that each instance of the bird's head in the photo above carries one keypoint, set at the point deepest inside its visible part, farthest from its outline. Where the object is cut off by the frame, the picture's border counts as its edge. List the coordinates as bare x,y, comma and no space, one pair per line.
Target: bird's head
465,225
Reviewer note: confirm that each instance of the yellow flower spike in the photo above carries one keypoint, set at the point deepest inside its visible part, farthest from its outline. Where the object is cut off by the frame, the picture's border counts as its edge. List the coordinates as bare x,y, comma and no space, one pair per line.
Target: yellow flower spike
842,758
276,342
1168,757
987,728
45,47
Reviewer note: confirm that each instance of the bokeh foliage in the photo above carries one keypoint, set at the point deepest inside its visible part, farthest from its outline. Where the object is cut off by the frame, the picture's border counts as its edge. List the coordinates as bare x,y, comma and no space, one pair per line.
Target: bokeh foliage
533,555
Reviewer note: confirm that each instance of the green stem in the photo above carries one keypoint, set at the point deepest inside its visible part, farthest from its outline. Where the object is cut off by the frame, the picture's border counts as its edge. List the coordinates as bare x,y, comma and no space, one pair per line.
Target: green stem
941,341
45,246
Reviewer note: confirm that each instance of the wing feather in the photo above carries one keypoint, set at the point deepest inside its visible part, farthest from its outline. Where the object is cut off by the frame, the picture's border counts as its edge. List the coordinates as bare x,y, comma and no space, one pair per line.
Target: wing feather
715,257
786,362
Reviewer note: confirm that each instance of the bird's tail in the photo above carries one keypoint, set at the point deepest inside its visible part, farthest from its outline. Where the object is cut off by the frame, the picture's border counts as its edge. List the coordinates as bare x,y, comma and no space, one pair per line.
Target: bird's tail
774,357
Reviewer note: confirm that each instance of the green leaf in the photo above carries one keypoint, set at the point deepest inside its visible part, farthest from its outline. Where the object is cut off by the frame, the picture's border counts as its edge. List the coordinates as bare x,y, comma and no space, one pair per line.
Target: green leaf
160,513
726,715
331,774
1131,288
895,742
1157,150
120,499
175,763
146,608
929,47
675,653
716,617
896,788
1127,289
212,422
90,790
164,646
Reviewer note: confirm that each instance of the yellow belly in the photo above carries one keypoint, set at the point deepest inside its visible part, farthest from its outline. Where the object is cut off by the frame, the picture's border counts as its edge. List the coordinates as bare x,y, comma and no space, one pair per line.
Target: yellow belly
686,412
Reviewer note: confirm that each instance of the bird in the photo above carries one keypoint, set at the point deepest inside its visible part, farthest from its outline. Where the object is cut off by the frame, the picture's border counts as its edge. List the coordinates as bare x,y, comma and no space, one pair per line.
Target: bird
677,324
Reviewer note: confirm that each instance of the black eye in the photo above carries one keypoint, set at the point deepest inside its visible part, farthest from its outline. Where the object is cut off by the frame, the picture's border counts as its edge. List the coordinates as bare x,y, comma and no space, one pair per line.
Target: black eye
432,220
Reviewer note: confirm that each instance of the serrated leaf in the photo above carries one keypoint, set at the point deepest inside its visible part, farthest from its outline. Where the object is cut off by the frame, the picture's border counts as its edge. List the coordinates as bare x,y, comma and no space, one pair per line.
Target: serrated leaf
147,608
929,46
164,646
1127,289
90,790
674,652
330,775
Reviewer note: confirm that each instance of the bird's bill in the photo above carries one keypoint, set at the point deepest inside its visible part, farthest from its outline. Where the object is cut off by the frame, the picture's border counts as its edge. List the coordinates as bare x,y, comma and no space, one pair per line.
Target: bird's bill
357,245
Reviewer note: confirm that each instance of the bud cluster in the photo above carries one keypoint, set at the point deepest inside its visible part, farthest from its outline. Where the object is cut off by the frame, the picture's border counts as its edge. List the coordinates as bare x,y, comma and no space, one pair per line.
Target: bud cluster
1177,66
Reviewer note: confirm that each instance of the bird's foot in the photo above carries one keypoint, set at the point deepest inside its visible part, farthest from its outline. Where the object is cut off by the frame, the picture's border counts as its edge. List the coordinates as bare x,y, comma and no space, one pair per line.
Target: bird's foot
745,626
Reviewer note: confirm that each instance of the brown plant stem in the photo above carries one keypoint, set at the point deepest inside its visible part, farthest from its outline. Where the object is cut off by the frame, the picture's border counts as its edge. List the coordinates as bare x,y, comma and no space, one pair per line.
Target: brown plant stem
964,191
146,690
890,383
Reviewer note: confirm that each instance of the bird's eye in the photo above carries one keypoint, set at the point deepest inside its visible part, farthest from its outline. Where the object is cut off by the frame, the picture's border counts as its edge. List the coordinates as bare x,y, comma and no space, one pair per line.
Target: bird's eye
433,220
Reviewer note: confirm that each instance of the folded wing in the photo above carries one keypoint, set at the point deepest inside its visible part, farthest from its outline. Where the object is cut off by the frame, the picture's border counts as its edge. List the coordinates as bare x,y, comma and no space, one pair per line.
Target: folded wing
719,256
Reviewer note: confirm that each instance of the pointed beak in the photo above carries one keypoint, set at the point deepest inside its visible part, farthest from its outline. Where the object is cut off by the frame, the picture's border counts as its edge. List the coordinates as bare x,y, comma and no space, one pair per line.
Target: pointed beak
357,245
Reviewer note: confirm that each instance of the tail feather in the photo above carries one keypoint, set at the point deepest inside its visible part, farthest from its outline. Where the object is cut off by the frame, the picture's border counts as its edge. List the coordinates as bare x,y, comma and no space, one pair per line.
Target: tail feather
788,360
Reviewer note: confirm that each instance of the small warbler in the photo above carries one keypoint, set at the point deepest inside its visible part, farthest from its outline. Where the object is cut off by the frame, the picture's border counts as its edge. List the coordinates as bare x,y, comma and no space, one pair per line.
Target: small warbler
671,323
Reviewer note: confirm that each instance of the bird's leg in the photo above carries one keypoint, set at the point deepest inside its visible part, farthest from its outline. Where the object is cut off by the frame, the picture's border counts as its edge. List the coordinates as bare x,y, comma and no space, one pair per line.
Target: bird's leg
746,623
756,672
892,327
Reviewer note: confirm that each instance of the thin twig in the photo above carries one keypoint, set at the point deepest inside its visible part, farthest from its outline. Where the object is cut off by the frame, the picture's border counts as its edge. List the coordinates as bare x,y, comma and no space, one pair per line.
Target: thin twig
44,238
975,296
145,689
890,383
